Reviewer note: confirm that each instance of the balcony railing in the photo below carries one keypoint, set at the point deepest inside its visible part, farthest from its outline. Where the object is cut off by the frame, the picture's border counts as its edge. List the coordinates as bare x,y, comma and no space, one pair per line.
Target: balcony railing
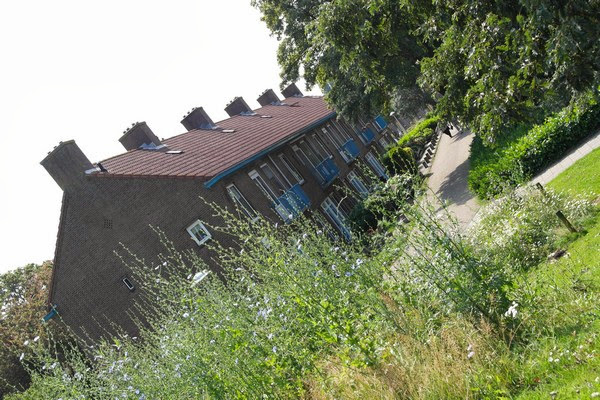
292,203
349,150
380,122
367,135
326,172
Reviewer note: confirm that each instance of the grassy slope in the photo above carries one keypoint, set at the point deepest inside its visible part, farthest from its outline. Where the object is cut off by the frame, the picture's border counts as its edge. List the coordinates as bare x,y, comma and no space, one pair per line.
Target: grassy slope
581,177
575,342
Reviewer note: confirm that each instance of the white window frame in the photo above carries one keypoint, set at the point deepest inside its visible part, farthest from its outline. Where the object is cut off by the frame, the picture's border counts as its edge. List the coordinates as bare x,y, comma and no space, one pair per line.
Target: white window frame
251,213
358,184
376,165
291,169
337,216
199,224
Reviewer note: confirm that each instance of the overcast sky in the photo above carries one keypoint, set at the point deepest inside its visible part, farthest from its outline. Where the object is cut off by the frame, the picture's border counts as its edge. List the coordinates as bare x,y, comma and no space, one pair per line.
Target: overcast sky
85,70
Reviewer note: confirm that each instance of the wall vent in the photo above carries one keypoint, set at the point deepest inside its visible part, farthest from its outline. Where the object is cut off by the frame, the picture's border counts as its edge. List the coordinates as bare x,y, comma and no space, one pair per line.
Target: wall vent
129,285
108,223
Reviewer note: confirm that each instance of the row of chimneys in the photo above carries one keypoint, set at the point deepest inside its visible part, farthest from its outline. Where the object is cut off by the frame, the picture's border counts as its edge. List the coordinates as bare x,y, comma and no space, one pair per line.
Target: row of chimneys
67,163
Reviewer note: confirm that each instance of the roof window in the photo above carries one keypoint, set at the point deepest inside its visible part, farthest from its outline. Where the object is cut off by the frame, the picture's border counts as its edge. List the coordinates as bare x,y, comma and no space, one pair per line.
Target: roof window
266,116
175,152
129,285
228,130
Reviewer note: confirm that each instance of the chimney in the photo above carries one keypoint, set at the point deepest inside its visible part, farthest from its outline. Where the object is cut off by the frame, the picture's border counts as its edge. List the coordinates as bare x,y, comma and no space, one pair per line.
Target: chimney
291,91
237,106
138,135
67,164
268,97
197,119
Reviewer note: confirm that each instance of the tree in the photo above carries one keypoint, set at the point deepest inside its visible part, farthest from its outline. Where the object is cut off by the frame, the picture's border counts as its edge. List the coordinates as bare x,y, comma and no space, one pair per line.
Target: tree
23,295
490,64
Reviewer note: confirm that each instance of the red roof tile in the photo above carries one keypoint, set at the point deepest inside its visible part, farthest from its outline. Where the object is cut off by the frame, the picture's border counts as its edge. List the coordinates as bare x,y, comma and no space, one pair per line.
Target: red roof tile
207,153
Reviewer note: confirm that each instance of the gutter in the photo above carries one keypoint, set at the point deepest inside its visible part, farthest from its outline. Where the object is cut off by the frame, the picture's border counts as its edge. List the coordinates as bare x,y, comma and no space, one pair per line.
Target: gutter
264,152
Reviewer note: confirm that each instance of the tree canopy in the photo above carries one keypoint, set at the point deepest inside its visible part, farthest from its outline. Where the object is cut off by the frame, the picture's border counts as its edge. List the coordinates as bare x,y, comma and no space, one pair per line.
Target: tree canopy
489,64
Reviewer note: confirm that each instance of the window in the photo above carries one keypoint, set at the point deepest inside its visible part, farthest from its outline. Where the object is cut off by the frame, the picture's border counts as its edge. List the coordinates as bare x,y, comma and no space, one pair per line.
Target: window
274,179
291,169
337,216
241,202
199,233
376,166
262,185
358,184
384,142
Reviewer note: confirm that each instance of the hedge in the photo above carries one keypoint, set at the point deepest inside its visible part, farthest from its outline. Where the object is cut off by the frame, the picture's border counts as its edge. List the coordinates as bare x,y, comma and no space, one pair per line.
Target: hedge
531,152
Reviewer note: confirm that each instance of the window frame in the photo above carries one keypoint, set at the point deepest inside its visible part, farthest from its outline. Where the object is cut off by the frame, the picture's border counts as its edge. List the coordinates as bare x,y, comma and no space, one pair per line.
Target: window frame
249,212
200,224
291,169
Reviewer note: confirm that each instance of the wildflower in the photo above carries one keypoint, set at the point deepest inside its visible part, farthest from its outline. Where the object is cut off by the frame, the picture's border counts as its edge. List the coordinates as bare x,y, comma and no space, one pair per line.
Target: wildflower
26,343
304,236
185,315
21,356
274,349
471,354
319,232
512,310
35,339
595,394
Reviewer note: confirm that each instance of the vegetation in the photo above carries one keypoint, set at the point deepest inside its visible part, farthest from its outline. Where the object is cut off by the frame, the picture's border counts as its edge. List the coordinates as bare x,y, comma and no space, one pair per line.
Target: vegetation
582,178
23,295
481,315
492,65
519,156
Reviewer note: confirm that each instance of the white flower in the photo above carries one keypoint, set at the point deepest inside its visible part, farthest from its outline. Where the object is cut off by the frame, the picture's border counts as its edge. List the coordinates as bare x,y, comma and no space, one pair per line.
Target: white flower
185,315
471,354
26,343
274,349
22,356
35,339
512,310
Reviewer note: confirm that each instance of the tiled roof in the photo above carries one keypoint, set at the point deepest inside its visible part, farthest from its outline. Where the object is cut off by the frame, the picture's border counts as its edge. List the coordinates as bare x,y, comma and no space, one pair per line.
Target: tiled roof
207,153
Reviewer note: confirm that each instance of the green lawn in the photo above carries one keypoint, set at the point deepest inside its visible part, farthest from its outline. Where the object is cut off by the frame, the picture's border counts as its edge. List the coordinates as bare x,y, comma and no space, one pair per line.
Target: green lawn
571,286
581,177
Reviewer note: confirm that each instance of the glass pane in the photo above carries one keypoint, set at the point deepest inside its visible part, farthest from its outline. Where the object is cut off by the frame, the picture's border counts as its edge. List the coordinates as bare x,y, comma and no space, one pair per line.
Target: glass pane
290,168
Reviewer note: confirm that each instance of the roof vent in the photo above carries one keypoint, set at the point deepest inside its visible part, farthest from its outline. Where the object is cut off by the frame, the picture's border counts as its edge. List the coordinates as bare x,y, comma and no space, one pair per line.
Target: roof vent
266,116
174,152
228,130
268,97
237,106
139,135
291,91
197,118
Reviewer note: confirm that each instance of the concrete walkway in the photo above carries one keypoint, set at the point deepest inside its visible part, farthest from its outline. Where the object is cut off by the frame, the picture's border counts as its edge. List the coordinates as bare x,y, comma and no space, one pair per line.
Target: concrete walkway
581,151
450,169
448,176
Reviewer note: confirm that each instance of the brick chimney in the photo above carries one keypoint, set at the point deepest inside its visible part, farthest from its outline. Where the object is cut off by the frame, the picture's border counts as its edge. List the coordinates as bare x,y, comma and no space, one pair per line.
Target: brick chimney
291,91
137,135
268,97
67,164
198,119
237,106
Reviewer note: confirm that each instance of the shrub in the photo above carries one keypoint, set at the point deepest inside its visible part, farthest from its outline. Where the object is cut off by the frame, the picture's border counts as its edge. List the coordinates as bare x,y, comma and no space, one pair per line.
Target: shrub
399,160
526,152
419,134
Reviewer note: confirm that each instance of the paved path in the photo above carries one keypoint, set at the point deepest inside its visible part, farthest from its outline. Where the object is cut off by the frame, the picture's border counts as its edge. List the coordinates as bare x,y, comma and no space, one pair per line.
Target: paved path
583,149
448,176
450,169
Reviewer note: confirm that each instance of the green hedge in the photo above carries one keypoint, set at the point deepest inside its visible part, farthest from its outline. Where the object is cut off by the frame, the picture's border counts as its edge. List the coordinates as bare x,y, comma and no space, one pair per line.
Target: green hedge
418,135
399,160
527,152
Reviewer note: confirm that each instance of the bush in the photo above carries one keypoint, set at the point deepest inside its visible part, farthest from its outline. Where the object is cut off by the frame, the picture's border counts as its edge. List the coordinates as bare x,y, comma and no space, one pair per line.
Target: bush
528,151
419,134
399,160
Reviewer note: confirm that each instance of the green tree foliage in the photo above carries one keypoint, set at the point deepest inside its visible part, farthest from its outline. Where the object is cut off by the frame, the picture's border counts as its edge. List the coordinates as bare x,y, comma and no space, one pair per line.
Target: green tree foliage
23,295
490,64
363,50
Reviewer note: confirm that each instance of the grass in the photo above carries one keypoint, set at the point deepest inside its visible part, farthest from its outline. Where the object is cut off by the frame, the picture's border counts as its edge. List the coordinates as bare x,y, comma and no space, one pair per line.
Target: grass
572,286
582,177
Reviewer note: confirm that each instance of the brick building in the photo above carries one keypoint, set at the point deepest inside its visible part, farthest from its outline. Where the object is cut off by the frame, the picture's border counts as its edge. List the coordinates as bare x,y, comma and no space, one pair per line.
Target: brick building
275,161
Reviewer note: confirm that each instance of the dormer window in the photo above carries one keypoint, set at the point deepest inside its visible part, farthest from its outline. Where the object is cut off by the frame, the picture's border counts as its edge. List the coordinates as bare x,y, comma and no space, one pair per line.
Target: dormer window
199,233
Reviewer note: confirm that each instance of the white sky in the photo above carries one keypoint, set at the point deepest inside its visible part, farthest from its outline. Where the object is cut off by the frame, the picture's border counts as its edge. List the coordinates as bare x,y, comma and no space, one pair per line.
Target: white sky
85,70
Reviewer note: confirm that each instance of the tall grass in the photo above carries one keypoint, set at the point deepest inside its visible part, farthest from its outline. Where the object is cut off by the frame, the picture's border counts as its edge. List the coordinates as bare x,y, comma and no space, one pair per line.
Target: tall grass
298,314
